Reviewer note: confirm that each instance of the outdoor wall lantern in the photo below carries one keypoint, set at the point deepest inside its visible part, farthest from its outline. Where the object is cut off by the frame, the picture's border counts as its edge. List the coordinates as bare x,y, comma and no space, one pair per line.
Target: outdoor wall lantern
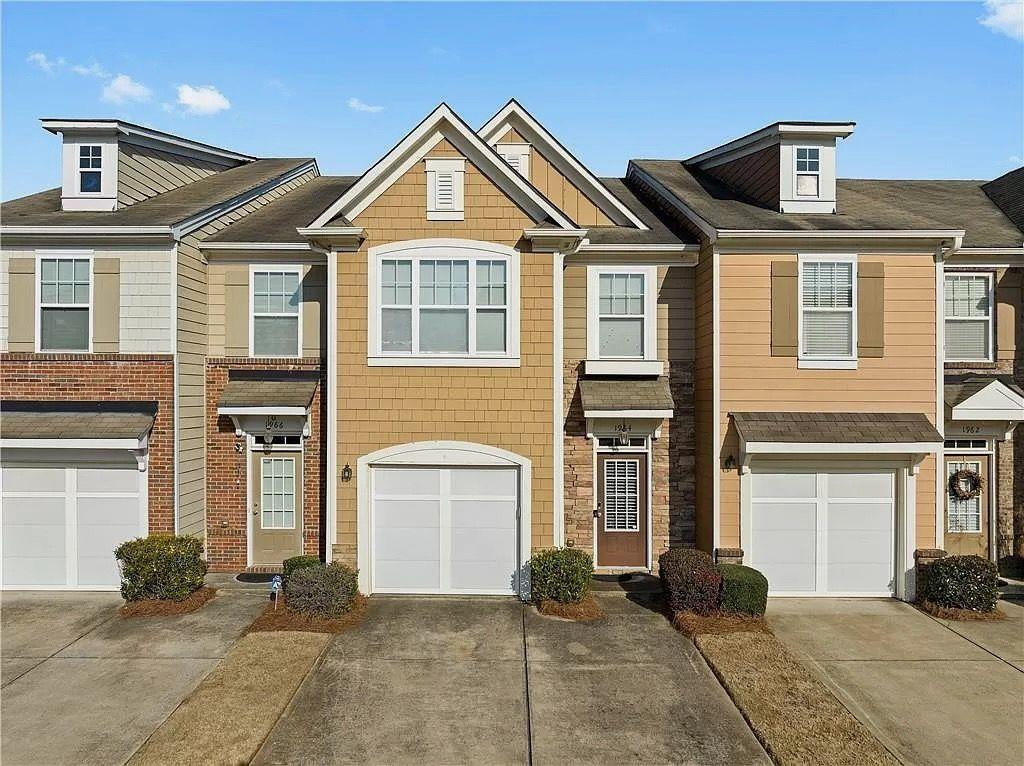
346,473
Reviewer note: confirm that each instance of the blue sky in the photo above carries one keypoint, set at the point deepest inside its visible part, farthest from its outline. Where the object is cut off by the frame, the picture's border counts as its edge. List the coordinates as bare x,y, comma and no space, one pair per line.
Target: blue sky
936,93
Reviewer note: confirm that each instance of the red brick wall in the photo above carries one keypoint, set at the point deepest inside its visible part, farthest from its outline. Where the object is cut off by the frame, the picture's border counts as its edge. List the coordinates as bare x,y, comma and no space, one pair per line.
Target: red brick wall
107,377
227,514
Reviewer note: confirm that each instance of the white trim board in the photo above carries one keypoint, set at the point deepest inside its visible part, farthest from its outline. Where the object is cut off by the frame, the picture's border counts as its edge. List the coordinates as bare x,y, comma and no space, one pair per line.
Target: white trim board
514,116
442,123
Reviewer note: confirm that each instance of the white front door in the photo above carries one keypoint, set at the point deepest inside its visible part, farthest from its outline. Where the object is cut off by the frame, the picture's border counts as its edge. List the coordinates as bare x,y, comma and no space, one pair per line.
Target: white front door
445,530
824,532
62,522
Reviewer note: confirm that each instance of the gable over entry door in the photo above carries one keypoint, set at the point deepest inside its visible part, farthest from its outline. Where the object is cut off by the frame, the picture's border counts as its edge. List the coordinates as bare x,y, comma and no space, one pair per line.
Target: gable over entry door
621,510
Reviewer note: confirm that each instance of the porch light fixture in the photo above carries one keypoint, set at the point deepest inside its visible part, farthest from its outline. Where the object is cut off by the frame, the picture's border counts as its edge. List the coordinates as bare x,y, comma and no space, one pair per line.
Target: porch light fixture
730,462
346,473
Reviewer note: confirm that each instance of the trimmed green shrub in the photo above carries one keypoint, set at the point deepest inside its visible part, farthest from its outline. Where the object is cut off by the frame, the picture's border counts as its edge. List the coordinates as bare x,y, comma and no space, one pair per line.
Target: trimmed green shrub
690,581
962,582
160,566
324,591
295,563
744,590
561,574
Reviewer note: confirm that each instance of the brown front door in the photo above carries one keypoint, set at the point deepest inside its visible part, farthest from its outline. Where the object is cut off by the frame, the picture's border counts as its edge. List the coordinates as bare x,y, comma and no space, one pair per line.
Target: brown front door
276,507
621,510
967,520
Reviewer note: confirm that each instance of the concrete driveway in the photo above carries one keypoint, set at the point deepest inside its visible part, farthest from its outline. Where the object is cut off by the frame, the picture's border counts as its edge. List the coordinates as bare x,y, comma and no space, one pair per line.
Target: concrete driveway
442,680
933,691
81,685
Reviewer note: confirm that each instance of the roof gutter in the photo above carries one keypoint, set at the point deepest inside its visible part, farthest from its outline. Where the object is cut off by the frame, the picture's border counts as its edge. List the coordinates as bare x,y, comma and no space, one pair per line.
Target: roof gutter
565,241
336,237
161,232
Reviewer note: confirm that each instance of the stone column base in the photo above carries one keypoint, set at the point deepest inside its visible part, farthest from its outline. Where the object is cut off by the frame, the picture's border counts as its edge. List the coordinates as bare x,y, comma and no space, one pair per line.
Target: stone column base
728,555
923,557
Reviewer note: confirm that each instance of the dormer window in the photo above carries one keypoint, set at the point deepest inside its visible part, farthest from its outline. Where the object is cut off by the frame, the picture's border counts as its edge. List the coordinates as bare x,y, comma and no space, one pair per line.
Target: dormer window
808,171
90,169
445,189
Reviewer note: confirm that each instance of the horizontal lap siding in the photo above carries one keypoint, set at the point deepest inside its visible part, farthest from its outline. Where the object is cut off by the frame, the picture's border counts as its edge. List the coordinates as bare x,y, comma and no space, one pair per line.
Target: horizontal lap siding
143,172
705,459
753,380
192,345
509,408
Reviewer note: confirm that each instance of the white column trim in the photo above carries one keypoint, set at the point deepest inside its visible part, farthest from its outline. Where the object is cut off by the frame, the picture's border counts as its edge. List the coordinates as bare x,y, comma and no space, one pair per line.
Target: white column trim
331,392
558,427
940,382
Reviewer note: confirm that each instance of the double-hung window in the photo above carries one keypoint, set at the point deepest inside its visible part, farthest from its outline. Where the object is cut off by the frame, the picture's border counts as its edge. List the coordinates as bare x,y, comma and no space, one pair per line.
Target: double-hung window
90,169
276,298
808,171
828,317
65,292
622,304
968,305
438,304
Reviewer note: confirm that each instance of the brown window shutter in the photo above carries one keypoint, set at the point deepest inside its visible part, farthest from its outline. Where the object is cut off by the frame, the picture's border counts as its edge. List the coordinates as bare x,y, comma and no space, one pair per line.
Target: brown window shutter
1009,310
21,306
106,305
871,310
236,312
785,304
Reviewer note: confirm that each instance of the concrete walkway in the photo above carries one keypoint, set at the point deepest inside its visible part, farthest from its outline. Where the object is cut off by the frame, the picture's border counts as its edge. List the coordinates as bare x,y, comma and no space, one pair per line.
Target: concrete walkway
444,680
81,685
934,692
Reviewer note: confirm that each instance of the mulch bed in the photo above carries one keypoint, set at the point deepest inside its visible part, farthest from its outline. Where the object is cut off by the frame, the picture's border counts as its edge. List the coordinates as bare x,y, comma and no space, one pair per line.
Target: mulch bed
586,610
718,623
793,715
963,615
162,607
283,619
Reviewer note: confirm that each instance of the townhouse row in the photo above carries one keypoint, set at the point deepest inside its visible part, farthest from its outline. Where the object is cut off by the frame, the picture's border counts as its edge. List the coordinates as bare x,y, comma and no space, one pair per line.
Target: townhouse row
478,348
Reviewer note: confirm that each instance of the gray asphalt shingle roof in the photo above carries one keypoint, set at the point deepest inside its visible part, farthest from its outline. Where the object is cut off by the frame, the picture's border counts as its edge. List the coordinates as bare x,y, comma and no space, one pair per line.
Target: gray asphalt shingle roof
277,221
269,388
167,209
661,231
626,394
1007,192
959,388
835,427
863,204
76,420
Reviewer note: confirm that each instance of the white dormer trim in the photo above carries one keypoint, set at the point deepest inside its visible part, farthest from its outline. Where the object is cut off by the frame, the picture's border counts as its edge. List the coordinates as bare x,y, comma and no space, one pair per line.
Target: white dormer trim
996,401
514,116
814,132
441,123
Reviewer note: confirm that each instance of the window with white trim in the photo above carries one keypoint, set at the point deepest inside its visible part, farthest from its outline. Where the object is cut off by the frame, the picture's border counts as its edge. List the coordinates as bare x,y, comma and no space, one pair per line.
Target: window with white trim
438,304
276,299
968,305
963,515
445,188
808,171
621,313
65,293
90,169
828,317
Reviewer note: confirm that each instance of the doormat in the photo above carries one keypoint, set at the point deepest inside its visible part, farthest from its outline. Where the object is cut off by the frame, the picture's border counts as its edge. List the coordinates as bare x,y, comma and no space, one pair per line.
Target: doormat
255,576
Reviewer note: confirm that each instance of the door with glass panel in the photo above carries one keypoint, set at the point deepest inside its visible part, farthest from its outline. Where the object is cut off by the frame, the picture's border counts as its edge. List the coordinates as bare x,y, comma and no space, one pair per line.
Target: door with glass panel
622,510
276,507
966,517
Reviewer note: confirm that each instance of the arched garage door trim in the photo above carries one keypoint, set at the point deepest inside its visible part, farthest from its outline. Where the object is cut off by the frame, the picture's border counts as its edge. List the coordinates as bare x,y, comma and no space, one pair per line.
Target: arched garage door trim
443,454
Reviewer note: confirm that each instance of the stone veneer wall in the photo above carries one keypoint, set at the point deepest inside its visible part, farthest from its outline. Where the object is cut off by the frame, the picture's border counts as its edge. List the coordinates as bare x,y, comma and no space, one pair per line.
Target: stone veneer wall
114,378
227,513
673,486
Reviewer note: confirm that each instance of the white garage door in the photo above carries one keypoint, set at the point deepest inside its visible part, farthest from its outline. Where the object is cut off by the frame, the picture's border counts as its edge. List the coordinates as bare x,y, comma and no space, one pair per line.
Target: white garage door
445,530
824,532
61,524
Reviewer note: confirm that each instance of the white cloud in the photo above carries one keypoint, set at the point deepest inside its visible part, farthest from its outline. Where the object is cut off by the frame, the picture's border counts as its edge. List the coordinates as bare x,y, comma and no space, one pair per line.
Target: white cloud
359,106
1005,17
93,70
44,62
1015,159
123,88
202,99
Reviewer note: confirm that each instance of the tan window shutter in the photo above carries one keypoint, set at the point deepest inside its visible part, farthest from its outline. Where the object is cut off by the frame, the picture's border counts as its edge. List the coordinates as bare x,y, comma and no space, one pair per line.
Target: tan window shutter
106,305
785,304
236,312
871,310
1009,310
314,309
21,320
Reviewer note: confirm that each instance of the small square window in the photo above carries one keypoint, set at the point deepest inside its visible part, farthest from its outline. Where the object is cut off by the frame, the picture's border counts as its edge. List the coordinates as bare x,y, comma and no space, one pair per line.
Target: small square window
90,182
